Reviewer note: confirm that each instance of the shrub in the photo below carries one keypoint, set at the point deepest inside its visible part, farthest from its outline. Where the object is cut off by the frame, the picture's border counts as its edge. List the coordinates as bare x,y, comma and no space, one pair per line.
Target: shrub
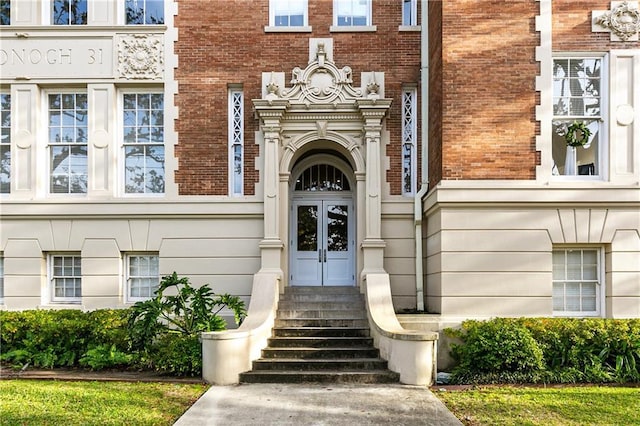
177,354
105,356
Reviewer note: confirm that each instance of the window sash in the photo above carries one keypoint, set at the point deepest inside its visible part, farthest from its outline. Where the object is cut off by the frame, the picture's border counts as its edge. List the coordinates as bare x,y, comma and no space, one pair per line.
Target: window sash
409,12
351,13
5,143
66,278
142,277
69,12
144,12
288,13
576,282
143,143
236,142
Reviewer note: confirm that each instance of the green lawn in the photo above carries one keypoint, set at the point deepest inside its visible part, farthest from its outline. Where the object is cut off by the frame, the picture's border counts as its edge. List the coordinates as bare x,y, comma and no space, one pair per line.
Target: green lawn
35,402
566,406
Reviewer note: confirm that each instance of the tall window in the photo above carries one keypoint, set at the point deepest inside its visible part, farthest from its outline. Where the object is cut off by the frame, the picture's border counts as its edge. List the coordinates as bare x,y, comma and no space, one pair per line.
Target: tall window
65,278
5,143
410,12
351,13
409,140
5,12
142,276
576,282
236,140
69,12
68,143
140,12
577,98
143,132
288,13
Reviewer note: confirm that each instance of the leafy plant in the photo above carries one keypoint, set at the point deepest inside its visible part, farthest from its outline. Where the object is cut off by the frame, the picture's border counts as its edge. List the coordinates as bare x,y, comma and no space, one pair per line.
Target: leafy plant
105,356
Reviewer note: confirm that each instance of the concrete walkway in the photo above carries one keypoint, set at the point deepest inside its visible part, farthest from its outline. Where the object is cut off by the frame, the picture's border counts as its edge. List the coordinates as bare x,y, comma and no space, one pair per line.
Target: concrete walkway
318,404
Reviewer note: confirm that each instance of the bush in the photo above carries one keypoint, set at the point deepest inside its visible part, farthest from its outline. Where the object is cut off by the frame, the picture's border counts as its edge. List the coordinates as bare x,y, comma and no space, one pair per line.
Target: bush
557,350
176,354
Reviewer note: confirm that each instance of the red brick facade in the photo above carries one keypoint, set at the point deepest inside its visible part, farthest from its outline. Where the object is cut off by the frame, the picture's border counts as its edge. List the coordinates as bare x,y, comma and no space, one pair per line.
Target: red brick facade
222,42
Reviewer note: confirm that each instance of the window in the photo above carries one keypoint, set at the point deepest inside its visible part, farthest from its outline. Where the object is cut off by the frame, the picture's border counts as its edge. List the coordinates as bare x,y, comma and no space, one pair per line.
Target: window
142,276
288,13
352,13
577,97
5,143
409,12
236,139
65,278
409,138
1,280
576,282
68,143
140,12
69,12
5,12
143,134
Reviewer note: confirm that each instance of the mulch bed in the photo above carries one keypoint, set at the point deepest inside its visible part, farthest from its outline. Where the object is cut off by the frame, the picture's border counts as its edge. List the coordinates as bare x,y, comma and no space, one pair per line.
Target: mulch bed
70,374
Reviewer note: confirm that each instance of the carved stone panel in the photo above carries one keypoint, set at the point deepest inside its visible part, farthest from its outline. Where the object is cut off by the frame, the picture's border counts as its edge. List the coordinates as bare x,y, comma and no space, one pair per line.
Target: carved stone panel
140,57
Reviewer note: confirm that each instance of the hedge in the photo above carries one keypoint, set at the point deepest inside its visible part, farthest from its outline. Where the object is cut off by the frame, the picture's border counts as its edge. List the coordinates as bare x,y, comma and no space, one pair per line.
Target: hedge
547,350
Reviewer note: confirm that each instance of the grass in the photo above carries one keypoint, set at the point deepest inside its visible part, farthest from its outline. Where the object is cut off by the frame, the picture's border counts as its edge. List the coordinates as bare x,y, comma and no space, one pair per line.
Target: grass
36,402
566,406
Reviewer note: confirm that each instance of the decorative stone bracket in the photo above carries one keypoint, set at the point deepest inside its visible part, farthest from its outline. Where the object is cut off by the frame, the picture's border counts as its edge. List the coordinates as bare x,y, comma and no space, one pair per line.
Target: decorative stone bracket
622,21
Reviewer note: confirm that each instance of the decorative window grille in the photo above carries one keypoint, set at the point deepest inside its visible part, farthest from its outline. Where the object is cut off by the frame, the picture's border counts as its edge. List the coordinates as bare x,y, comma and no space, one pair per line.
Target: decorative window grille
236,141
577,96
5,143
68,122
142,277
410,12
143,133
352,13
409,138
141,12
66,278
69,12
288,13
576,282
322,177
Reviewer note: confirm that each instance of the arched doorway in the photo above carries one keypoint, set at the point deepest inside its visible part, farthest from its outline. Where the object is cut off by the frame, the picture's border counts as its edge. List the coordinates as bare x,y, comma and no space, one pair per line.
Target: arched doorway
322,223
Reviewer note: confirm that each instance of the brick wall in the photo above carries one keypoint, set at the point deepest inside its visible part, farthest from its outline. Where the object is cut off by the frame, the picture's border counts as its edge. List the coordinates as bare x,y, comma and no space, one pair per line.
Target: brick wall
435,92
223,42
488,89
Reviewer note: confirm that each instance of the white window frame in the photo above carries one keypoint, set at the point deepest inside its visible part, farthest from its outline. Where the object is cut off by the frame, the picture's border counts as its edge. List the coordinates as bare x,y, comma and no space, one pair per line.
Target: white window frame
6,143
144,7
603,141
273,7
599,282
50,144
368,26
409,139
123,145
49,17
128,277
51,277
410,20
236,140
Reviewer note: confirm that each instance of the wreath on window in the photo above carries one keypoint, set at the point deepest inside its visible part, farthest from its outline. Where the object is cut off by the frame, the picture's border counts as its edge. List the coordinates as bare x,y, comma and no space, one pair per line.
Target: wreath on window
577,134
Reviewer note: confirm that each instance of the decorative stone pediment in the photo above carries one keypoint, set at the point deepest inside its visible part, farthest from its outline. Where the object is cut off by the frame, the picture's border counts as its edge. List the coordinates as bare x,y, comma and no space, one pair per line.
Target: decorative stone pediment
623,21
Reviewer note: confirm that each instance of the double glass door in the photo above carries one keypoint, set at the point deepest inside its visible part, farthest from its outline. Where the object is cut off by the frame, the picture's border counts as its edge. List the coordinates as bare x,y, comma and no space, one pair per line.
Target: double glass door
322,243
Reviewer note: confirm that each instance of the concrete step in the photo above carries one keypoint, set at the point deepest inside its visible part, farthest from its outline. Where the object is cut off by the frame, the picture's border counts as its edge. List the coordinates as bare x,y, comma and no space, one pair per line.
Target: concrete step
322,298
297,364
320,353
321,322
320,305
319,342
321,290
317,313
382,376
321,331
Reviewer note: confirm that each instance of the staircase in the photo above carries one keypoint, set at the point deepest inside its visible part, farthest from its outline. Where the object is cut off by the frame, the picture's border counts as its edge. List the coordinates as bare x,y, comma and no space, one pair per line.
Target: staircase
321,335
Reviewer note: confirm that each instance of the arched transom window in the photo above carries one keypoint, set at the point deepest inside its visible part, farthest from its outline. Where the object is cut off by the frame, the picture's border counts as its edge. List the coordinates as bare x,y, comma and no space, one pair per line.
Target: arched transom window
322,177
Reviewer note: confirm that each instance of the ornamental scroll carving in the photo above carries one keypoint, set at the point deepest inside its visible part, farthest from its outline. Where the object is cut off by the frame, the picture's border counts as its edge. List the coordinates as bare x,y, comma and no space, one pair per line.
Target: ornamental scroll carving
623,20
140,56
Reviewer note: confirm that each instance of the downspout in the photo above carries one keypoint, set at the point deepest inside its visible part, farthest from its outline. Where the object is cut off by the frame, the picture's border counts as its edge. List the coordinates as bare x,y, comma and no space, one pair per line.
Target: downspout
424,137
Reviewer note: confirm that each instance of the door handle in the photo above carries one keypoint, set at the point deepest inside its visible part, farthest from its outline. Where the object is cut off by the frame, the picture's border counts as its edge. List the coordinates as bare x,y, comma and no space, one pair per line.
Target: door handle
320,255
325,255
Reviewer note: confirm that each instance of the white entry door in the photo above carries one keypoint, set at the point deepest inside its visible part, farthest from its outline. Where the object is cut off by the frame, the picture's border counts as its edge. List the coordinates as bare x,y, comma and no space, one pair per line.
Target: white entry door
322,243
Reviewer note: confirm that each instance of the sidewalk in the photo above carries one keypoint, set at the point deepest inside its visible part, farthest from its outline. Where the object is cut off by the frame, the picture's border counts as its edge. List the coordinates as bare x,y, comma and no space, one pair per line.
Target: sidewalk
318,404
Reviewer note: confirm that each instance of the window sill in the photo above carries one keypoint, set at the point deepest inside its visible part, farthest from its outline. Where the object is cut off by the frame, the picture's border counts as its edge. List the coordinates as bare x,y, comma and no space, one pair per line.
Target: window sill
305,29
62,305
409,28
353,29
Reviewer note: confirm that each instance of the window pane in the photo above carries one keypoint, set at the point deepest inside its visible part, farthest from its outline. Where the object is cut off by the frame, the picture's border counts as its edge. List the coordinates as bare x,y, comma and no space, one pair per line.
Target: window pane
558,296
307,228
5,143
5,12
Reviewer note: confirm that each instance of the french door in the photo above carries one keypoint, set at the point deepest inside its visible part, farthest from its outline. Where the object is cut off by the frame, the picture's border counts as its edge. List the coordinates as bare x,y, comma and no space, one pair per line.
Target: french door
322,242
